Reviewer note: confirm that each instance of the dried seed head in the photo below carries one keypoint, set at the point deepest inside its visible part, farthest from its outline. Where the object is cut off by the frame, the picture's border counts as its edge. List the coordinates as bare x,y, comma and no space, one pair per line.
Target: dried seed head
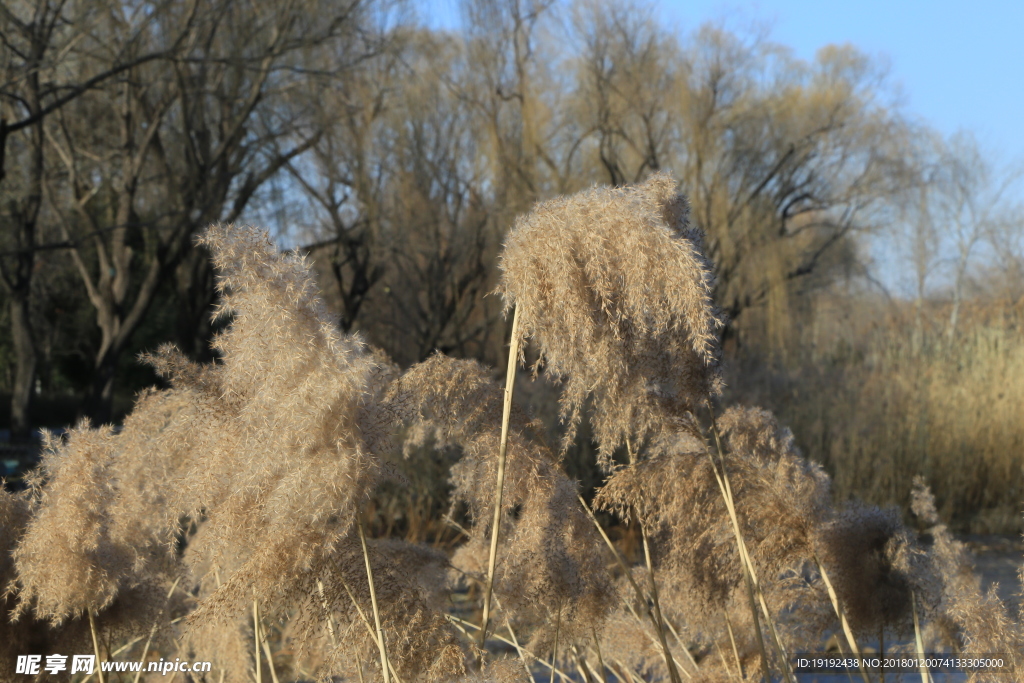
614,288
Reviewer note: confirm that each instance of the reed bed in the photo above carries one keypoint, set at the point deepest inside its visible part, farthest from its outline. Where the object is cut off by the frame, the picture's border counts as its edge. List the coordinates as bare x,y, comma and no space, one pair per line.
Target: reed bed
226,521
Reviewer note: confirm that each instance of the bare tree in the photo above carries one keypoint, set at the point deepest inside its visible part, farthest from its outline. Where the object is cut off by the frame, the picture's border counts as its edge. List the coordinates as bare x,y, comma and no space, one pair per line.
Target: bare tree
190,145
785,163
628,88
44,67
970,203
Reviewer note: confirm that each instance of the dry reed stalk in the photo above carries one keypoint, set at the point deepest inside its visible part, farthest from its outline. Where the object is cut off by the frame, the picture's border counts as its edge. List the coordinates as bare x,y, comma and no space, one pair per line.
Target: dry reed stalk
519,650
384,664
919,641
670,662
580,665
748,566
554,648
96,647
359,668
630,675
369,628
847,631
261,640
149,638
256,639
327,612
748,580
510,379
732,640
656,606
600,660
462,625
689,656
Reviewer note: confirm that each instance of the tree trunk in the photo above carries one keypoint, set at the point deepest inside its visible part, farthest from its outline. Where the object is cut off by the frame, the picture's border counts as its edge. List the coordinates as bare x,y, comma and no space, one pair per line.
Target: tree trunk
100,408
196,298
25,364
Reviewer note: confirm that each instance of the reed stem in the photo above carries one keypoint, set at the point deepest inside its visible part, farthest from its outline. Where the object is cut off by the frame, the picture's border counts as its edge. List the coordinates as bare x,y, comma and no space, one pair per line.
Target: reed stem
384,665
96,647
506,412
658,626
847,631
753,587
919,641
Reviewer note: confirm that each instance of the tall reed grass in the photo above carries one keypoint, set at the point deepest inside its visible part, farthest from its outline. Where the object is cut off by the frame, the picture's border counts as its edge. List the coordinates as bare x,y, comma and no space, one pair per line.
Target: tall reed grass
879,403
226,520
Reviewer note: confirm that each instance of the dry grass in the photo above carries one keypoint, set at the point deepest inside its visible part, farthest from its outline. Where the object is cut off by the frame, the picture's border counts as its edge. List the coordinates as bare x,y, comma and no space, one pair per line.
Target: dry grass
226,519
878,405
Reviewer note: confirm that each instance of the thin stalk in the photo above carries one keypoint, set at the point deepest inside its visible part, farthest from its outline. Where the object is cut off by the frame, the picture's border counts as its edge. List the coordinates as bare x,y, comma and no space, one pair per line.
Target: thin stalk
654,639
515,642
658,627
735,650
847,631
145,648
600,659
506,412
839,646
725,663
748,580
462,625
580,665
266,645
599,677
682,646
369,628
96,647
753,587
327,612
919,641
554,648
656,604
384,664
630,674
149,638
256,639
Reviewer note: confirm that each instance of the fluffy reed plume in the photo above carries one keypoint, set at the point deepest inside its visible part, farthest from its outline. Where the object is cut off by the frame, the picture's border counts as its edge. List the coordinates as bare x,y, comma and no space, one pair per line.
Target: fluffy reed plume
25,635
782,499
271,452
613,287
874,563
278,439
983,624
76,554
15,512
787,520
547,562
498,671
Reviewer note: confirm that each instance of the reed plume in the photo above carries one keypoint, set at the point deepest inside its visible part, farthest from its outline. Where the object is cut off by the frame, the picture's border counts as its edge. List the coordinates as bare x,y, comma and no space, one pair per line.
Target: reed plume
983,625
613,288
